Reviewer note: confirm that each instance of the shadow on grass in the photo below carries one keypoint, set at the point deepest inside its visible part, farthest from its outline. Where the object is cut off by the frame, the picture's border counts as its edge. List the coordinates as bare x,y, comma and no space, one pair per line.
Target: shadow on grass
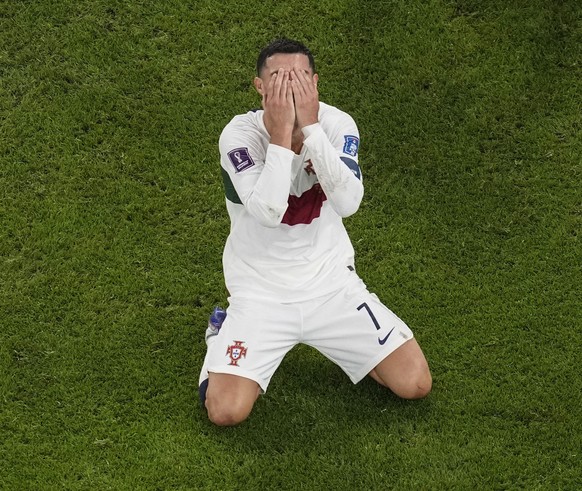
311,403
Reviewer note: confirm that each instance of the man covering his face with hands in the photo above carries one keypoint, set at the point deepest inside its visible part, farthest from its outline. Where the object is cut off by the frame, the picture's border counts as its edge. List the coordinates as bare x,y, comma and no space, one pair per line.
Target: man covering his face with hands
291,174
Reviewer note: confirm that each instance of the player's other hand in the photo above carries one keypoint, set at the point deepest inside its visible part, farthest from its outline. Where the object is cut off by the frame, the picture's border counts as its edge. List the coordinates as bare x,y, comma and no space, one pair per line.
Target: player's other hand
279,109
306,97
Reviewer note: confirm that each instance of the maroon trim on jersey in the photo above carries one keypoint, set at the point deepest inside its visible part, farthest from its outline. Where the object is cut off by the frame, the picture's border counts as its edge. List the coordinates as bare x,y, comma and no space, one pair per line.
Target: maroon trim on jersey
304,208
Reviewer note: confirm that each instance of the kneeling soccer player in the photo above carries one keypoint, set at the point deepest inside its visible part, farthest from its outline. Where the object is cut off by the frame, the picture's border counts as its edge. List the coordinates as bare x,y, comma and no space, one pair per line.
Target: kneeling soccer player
291,174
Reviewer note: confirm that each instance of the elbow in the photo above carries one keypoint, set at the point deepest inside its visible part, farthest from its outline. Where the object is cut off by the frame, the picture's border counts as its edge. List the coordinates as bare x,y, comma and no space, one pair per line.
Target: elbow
348,205
347,209
270,218
268,215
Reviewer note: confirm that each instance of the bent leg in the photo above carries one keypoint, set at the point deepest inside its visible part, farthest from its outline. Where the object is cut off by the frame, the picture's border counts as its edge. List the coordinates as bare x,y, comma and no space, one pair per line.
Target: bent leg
230,398
405,372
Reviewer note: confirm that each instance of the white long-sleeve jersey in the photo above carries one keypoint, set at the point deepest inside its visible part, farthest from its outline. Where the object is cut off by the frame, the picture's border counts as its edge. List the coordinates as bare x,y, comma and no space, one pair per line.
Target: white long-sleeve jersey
287,240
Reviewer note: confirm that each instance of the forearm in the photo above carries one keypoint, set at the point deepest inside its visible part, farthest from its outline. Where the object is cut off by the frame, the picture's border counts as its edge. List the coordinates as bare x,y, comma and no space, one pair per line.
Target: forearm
267,200
342,187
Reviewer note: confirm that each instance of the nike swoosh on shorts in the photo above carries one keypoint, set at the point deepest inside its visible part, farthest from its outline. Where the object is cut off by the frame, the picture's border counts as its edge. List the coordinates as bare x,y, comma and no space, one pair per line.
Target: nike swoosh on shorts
382,341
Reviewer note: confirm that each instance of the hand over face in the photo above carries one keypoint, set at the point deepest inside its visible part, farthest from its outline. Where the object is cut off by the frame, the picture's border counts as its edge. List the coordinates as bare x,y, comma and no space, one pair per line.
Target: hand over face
278,104
306,97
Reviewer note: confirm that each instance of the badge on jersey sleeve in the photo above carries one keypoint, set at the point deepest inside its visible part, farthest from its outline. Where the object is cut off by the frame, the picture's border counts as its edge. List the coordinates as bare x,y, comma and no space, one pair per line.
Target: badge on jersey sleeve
351,144
241,159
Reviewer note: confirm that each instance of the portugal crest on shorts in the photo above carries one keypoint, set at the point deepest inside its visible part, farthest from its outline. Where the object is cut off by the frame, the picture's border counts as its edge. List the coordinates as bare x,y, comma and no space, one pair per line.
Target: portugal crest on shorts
236,351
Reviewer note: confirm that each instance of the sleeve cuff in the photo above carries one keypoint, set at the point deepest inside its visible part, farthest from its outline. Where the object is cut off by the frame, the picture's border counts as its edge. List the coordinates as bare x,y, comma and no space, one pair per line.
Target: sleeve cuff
280,151
309,130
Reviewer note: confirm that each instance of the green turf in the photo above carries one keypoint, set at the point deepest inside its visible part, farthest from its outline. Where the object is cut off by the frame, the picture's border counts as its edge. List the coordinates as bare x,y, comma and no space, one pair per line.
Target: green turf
112,222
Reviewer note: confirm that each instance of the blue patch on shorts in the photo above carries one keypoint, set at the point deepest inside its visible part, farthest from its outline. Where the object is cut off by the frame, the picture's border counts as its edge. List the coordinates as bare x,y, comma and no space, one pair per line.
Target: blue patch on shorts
351,145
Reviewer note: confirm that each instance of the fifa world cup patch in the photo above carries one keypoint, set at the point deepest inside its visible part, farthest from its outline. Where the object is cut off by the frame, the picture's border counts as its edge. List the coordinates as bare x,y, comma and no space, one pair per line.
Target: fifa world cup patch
240,158
236,351
351,145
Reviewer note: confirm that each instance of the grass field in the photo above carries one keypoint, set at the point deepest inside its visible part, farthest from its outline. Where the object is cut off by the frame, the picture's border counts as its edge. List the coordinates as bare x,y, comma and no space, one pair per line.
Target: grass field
112,223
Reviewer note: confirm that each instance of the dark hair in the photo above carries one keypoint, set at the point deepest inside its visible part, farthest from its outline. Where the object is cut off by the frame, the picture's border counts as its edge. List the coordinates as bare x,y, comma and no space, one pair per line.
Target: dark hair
283,46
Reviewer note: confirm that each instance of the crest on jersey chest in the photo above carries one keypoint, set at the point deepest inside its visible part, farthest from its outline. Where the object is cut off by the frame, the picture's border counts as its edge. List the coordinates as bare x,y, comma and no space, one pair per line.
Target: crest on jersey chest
236,351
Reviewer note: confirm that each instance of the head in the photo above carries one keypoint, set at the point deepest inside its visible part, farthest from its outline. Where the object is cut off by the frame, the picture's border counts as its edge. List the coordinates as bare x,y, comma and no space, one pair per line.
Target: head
283,53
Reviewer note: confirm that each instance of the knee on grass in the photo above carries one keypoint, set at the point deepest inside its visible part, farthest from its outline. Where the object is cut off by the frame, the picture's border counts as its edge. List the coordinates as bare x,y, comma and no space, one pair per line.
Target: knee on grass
416,386
226,413
229,399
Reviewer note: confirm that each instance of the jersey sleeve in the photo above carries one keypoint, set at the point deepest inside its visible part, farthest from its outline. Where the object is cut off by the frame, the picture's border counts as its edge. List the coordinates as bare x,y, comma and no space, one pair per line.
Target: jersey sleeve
260,179
335,160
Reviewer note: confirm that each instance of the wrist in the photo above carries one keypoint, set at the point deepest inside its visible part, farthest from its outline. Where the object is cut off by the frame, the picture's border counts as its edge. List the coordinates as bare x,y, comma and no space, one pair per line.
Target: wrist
309,129
282,138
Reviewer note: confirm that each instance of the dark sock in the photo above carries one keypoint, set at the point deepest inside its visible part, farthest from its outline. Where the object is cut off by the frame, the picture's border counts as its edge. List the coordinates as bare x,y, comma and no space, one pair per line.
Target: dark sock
202,392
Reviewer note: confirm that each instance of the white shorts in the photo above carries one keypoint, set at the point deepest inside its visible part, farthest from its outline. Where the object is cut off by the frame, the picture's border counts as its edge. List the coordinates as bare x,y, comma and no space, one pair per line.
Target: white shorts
351,327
